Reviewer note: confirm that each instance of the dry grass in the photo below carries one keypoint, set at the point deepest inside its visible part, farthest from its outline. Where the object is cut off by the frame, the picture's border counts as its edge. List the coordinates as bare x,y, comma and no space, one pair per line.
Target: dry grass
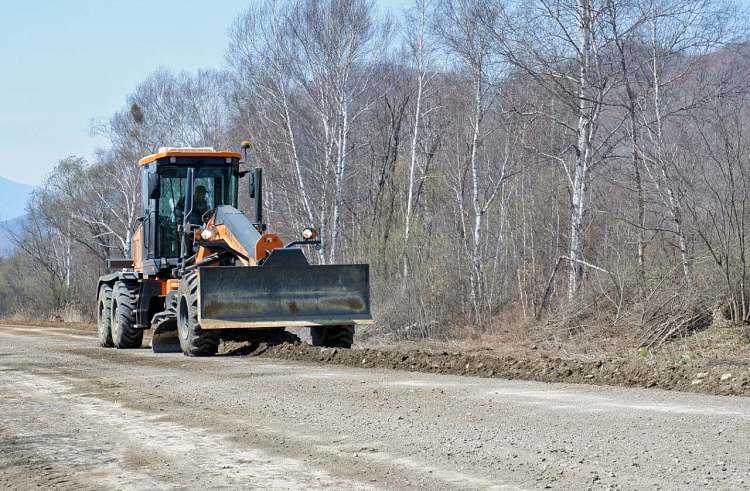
718,342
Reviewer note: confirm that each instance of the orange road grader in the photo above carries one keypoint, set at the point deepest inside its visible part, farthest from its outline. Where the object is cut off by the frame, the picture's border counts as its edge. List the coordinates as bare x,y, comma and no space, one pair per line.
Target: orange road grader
200,266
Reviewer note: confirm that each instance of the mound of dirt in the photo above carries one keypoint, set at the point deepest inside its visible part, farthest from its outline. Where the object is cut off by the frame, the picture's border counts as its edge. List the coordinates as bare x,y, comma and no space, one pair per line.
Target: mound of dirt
631,372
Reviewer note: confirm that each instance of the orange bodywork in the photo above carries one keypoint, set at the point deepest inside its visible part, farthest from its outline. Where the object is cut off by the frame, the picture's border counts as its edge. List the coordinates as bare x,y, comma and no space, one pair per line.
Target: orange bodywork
263,247
169,286
225,235
266,244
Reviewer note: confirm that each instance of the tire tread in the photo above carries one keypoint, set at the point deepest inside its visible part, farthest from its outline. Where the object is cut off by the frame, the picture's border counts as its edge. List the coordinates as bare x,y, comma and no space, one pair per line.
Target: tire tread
104,316
199,342
126,296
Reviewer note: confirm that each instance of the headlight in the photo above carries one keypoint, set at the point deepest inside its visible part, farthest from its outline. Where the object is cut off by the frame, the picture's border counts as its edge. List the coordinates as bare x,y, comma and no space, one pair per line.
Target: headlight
309,233
208,233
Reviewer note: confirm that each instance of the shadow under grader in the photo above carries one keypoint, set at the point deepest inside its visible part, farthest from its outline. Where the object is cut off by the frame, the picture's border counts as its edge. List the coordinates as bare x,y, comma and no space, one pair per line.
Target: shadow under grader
246,342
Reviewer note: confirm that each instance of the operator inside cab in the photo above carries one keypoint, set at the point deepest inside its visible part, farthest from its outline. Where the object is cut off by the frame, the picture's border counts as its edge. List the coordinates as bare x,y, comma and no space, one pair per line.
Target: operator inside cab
200,206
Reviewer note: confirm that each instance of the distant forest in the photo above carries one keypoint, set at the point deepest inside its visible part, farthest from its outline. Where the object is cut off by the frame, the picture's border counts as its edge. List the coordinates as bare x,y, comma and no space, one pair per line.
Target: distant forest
580,165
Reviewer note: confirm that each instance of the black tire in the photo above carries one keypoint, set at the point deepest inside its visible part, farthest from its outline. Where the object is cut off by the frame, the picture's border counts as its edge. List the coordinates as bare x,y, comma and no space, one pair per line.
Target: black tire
124,301
333,336
194,341
104,316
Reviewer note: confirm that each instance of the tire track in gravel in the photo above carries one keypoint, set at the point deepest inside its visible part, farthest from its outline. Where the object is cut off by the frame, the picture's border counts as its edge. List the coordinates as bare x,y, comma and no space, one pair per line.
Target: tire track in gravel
91,444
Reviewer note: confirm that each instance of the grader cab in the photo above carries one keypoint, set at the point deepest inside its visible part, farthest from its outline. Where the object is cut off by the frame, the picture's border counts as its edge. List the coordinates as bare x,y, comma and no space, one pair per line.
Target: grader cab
200,266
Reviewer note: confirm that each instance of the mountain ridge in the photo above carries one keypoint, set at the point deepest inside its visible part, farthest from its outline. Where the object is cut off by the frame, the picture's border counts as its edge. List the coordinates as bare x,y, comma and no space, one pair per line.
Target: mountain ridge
14,196
10,228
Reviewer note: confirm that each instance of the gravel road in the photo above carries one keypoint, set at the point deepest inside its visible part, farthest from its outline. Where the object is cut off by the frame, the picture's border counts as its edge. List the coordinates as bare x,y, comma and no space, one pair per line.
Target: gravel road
78,417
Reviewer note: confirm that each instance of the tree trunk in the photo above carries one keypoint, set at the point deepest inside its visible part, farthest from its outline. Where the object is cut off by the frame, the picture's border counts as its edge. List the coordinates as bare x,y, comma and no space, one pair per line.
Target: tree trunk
477,286
583,152
412,166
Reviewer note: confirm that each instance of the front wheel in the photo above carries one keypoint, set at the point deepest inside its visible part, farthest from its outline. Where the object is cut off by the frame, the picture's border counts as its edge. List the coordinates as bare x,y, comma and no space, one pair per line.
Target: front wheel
194,340
333,336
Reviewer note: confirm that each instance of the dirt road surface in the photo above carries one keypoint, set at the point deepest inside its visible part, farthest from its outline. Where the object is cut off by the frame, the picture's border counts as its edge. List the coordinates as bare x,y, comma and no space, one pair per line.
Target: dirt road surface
77,417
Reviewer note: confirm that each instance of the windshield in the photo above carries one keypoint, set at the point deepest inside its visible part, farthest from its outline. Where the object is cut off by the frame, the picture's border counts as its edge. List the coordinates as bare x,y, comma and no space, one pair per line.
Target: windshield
214,186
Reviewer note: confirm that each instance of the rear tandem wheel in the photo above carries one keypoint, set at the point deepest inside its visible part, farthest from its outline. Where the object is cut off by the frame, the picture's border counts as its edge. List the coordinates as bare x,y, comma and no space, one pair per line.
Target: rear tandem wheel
104,316
124,301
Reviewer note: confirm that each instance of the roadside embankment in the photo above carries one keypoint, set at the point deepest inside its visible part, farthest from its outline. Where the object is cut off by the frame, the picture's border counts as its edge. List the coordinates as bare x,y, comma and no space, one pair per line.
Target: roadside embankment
630,372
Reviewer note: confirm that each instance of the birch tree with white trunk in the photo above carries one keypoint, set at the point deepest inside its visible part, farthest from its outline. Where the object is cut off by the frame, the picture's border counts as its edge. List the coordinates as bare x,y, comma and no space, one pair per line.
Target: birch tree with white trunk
422,47
560,46
259,54
336,44
469,32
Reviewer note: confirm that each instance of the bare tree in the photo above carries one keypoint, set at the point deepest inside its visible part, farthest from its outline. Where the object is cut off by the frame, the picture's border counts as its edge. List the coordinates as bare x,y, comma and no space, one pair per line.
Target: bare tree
96,205
680,35
468,30
334,42
626,22
48,246
561,46
720,201
422,48
259,52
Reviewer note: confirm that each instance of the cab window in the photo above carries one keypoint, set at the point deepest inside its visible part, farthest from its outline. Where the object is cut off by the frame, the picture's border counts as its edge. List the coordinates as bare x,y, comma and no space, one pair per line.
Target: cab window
221,189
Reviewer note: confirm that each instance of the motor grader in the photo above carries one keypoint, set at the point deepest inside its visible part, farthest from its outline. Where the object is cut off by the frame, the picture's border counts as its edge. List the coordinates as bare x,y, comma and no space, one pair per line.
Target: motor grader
200,267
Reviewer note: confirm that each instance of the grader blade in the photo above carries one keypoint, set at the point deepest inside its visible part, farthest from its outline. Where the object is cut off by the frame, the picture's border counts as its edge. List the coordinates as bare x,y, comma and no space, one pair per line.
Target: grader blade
283,296
165,339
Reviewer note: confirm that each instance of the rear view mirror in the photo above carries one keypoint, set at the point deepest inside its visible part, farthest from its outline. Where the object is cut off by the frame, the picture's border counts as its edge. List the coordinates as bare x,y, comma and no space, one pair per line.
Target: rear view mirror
154,189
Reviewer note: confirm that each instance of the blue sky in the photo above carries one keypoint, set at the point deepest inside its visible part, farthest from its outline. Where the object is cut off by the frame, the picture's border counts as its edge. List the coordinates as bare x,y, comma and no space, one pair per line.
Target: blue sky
66,62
